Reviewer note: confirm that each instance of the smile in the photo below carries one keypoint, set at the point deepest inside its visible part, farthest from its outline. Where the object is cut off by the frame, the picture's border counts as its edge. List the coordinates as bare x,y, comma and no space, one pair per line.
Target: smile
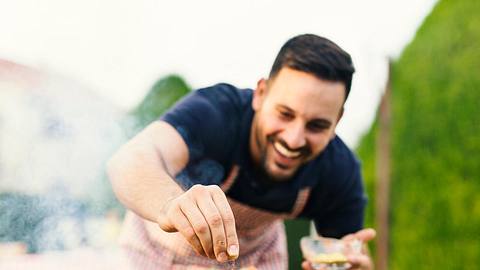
285,152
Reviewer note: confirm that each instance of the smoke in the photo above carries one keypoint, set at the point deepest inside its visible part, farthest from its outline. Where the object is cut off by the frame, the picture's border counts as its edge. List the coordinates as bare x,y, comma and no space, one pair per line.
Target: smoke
55,137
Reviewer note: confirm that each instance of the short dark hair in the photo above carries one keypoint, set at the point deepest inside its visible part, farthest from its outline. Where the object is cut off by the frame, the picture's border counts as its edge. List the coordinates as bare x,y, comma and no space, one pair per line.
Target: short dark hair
318,56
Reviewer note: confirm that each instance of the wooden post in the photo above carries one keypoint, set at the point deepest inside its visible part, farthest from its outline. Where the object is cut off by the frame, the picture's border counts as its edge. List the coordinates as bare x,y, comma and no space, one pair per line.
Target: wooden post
383,177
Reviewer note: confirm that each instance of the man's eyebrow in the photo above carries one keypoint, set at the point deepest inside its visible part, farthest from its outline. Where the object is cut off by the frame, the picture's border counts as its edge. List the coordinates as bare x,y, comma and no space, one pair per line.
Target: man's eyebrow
321,121
284,107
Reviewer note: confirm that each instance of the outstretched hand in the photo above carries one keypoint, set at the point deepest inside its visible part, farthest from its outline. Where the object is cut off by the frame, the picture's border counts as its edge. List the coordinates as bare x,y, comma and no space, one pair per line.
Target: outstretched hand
361,261
204,217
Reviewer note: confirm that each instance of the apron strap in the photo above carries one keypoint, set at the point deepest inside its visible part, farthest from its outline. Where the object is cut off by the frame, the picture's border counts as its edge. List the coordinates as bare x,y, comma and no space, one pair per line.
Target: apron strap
302,198
300,202
227,184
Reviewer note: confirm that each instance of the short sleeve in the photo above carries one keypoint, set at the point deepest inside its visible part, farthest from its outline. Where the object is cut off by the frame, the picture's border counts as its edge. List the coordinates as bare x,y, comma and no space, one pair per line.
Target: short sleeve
207,120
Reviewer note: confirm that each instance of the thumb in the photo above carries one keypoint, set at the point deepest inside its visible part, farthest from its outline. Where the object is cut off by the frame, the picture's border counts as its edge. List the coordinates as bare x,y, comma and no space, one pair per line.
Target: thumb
165,224
365,235
306,265
163,220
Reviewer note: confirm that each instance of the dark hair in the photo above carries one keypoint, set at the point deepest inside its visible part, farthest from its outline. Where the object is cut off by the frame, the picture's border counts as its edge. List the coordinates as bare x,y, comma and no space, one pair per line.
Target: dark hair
318,56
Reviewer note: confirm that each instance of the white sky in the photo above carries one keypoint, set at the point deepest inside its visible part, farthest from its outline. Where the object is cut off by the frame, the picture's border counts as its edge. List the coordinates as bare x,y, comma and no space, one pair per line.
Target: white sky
120,48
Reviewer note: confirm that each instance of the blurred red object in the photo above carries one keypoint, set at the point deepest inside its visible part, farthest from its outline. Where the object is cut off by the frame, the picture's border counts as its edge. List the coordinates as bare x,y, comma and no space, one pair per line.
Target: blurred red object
10,249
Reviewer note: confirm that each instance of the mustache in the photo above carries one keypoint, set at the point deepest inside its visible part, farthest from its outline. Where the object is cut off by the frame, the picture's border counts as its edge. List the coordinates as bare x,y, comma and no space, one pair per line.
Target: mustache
304,150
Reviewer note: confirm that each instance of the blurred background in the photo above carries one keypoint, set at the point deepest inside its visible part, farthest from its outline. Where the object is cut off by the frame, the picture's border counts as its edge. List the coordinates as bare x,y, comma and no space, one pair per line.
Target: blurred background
78,79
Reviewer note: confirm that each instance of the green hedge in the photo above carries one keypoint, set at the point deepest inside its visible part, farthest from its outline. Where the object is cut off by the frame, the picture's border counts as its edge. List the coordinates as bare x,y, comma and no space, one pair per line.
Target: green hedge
435,199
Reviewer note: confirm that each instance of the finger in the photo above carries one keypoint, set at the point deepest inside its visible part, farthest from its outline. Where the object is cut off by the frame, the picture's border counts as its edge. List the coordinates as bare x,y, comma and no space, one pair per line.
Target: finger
163,220
349,237
360,262
217,231
306,266
199,224
228,219
181,223
164,223
365,235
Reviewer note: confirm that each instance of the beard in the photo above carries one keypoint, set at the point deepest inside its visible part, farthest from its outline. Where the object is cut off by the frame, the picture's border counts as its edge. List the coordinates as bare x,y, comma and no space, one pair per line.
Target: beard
263,168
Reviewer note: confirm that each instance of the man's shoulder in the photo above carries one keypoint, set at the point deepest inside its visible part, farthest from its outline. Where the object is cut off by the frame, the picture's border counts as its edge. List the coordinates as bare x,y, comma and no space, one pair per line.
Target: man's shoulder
338,162
338,188
226,94
340,155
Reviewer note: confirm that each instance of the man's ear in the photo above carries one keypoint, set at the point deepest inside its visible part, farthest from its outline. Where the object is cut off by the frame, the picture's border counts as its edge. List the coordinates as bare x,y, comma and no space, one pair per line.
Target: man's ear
340,114
259,94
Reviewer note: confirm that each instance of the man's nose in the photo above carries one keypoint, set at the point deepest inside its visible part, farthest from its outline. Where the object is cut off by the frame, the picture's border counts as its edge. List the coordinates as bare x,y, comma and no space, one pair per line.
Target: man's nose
294,136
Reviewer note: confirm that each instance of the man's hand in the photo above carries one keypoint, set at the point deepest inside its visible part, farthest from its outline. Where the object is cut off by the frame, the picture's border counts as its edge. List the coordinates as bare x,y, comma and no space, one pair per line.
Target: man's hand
360,261
204,217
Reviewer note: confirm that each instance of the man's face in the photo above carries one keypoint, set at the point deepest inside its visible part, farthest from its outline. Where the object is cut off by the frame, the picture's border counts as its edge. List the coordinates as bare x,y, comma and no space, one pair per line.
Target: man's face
295,118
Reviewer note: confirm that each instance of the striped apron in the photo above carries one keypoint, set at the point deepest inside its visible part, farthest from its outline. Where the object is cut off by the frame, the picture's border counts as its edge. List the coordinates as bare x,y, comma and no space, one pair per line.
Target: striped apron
261,237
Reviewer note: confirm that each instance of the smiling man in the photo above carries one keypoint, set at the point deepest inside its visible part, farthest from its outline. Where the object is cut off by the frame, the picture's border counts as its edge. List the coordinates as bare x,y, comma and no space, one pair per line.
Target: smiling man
296,115
213,179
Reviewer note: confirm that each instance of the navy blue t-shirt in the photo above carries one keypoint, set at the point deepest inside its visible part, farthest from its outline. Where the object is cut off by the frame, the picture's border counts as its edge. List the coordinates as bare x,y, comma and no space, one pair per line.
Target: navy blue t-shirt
215,124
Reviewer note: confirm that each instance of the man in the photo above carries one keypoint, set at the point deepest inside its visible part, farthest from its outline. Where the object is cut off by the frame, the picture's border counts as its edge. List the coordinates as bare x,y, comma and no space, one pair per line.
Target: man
214,178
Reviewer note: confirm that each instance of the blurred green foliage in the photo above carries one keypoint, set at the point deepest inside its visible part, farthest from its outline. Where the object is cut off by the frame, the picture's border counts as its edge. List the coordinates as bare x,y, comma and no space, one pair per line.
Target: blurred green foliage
366,153
164,93
296,229
435,199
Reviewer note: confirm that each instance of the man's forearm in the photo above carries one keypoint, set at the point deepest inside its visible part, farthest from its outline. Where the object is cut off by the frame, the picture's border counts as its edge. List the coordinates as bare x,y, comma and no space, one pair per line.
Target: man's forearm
140,179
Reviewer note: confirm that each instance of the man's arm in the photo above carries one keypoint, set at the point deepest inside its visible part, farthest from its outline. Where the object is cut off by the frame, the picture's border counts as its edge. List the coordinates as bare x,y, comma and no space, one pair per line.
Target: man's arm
345,220
141,175
140,171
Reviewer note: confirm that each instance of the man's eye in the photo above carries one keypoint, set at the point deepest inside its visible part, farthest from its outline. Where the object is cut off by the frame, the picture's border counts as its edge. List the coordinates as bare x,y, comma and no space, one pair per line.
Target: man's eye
286,115
316,127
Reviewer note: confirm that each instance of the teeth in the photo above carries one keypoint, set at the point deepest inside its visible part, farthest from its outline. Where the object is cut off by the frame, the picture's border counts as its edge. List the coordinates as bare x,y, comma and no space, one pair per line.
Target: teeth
284,151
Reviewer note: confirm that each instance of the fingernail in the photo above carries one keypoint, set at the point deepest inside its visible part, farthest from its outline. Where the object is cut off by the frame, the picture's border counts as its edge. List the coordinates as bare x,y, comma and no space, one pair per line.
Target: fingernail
222,257
233,250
